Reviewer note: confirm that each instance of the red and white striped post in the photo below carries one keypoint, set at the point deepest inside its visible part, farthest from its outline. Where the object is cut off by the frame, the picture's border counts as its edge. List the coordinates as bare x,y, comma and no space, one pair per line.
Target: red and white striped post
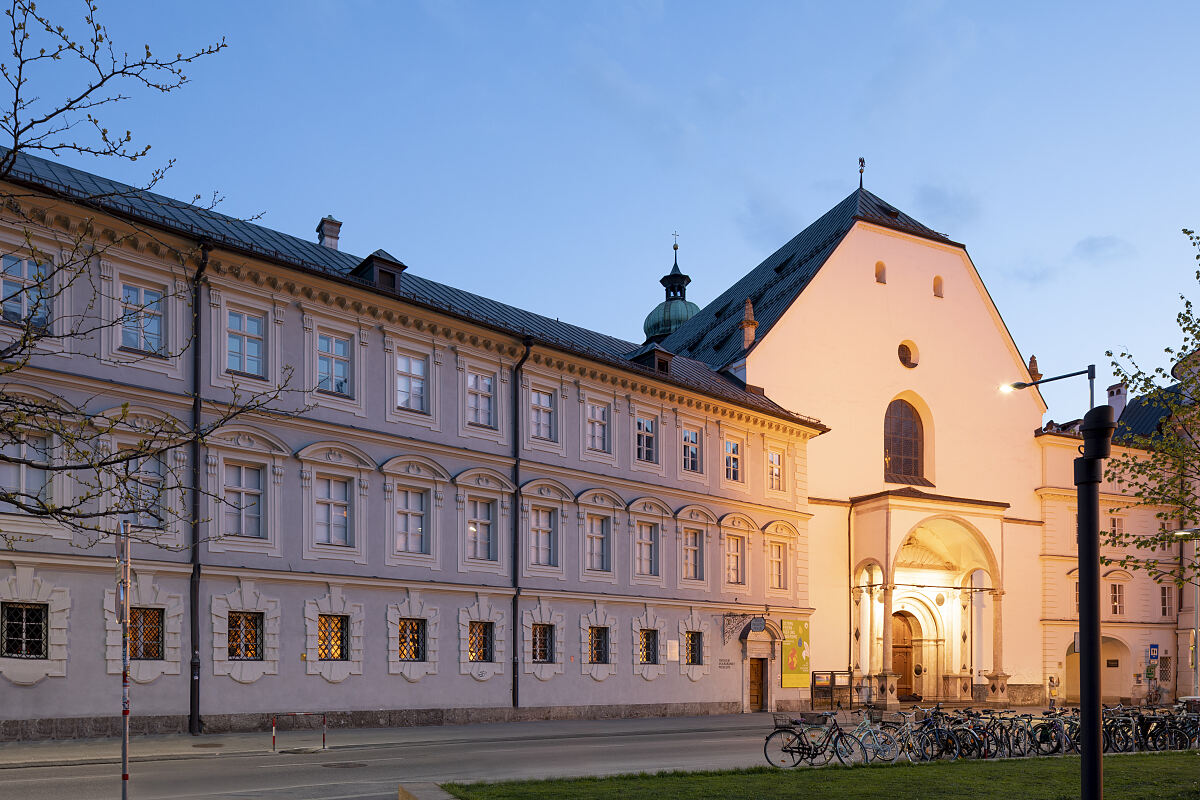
123,584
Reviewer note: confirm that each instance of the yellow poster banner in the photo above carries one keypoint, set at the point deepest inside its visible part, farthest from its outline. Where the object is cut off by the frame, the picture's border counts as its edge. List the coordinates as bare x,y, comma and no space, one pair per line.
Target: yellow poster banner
796,673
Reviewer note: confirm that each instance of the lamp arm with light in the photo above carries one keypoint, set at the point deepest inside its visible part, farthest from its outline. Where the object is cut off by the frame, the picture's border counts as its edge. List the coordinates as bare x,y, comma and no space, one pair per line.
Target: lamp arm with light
1090,372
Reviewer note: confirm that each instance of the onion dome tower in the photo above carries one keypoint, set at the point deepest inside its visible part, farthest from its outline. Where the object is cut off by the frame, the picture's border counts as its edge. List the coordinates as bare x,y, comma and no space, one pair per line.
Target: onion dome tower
675,310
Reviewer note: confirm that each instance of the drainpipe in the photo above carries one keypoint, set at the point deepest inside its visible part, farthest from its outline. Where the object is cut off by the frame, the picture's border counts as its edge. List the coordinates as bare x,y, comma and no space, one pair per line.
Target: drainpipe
527,342
850,593
195,724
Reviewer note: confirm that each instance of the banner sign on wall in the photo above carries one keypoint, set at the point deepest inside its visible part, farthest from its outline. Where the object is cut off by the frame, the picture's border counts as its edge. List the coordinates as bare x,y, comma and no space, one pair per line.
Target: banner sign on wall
795,673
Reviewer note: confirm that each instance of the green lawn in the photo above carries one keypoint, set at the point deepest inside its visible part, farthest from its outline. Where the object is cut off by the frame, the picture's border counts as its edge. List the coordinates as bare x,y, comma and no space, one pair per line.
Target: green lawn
1154,776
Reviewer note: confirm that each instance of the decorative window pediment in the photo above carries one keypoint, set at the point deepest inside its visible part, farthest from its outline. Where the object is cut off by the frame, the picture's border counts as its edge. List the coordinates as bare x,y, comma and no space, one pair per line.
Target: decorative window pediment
350,649
144,592
415,659
24,586
542,615
245,598
481,611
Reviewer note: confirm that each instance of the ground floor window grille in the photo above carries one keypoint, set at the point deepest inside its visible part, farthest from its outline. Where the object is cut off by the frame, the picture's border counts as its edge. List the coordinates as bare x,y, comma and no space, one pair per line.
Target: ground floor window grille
332,638
693,648
245,636
597,645
648,646
543,644
412,640
146,633
1164,669
26,630
480,641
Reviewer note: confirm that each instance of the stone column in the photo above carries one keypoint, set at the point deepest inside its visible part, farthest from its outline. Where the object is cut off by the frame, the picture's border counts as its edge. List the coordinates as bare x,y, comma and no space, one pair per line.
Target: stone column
887,678
997,678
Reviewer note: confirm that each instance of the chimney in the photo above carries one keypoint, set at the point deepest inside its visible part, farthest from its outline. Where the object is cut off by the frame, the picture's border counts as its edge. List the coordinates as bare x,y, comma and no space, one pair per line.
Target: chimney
748,324
1118,395
1034,375
327,231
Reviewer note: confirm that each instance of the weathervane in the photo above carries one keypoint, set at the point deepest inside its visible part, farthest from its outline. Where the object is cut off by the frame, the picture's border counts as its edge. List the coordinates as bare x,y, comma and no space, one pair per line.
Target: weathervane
862,166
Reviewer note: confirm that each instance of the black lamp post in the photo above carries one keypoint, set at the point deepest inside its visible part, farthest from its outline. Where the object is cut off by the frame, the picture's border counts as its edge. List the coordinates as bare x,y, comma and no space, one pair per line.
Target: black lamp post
1097,430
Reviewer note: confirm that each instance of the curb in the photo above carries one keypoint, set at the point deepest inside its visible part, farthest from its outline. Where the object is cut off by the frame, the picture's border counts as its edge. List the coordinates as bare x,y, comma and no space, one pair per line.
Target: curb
423,791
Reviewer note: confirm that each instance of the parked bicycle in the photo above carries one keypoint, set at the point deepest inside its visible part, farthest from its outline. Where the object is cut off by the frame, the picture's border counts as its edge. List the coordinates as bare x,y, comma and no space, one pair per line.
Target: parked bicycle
794,741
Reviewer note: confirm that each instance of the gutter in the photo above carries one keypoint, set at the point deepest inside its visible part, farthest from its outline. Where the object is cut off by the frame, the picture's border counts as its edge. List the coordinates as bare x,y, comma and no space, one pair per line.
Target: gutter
527,342
195,724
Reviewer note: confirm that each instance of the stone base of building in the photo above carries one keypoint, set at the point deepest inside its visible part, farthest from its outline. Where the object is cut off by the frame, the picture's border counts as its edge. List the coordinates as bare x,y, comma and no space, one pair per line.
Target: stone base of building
1026,694
92,727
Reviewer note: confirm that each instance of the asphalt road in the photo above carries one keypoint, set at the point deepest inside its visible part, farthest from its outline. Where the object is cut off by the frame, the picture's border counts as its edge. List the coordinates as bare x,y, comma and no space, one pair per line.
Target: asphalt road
371,772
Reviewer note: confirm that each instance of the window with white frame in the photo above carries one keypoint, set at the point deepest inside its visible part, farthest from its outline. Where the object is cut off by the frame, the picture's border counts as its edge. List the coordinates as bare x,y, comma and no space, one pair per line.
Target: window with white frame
646,552
1116,596
691,449
693,554
481,539
777,565
1116,526
733,460
647,439
735,559
541,415
775,470
543,537
1166,598
144,487
143,327
411,382
597,426
245,343
26,292
243,495
332,510
599,530
333,364
412,506
25,478
481,399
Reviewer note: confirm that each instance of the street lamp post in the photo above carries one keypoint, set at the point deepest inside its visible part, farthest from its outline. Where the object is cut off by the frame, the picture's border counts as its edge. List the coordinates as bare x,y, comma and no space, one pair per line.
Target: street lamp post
1097,430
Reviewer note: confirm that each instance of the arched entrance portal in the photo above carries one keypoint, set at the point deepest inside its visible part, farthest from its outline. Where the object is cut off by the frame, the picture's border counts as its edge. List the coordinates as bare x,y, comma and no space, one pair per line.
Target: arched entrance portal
905,628
1116,672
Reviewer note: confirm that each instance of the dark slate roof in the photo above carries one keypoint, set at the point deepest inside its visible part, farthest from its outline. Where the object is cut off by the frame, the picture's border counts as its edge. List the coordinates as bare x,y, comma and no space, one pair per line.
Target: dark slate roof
246,237
1142,417
713,335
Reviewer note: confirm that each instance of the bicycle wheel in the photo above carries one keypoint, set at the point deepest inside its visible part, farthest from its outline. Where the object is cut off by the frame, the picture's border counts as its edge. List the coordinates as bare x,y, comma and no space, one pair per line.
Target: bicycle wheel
783,748
924,746
969,745
820,748
850,750
1170,739
1046,739
945,744
884,746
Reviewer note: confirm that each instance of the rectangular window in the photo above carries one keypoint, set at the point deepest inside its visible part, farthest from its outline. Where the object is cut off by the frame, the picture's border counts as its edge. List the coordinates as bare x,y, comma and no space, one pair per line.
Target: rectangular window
777,566
1166,596
597,645
1116,526
411,389
411,507
542,644
775,470
26,292
26,630
481,544
735,571
693,554
480,400
333,364
333,637
693,648
146,633
597,427
733,460
543,538
333,510
143,492
412,640
646,554
244,344
647,439
142,327
245,636
598,528
480,641
243,501
1076,597
691,450
25,483
541,415
648,646
1116,595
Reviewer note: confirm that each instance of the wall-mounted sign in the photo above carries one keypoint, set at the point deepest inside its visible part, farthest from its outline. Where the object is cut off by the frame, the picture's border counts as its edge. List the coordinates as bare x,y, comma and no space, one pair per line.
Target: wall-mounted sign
796,672
1154,652
758,624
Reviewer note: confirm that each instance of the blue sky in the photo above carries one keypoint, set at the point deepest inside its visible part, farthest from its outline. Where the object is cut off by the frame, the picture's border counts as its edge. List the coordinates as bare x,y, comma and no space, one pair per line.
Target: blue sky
542,153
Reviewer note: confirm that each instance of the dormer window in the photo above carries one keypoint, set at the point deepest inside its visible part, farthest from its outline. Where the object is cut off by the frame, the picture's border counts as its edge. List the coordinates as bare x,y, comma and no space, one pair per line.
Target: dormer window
387,279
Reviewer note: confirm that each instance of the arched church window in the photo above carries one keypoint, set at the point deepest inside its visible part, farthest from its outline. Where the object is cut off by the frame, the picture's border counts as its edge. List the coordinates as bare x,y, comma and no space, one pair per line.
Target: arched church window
903,444
938,288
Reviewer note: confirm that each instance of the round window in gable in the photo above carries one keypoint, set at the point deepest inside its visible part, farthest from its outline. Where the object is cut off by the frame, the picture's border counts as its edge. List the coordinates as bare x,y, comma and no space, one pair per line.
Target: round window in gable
907,352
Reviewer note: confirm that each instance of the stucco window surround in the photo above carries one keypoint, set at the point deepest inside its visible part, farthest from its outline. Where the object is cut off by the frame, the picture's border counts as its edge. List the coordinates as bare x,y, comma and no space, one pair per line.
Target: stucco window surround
786,468
244,445
788,558
340,461
705,456
144,592
24,586
413,606
655,512
358,333
58,484
246,597
664,443
482,484
224,297
599,618
743,528
535,380
738,458
467,362
648,620
50,253
482,610
599,504
696,518
1117,599
542,615
176,315
786,534
137,423
421,474
607,399
398,342
547,495
695,622
334,603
